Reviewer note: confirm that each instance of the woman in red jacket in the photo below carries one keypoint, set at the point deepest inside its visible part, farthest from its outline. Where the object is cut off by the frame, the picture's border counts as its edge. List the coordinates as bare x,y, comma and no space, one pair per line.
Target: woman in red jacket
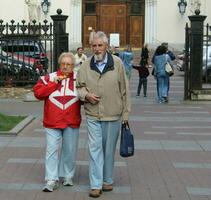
61,121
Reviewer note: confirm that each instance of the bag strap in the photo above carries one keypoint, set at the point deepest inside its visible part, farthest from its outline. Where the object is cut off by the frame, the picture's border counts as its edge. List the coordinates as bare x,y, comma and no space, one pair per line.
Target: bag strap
166,58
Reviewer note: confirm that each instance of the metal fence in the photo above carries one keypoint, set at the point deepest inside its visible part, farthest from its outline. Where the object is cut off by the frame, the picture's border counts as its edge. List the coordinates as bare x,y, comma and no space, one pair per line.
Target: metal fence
206,61
187,64
26,51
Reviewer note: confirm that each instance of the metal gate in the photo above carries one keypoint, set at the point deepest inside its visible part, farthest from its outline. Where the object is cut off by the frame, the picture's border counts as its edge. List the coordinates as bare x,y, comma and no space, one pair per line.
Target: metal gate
26,52
206,61
187,76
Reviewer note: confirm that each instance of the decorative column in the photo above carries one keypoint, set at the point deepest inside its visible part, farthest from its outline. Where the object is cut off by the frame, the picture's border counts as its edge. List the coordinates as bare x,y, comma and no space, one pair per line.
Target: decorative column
60,36
150,21
196,50
75,24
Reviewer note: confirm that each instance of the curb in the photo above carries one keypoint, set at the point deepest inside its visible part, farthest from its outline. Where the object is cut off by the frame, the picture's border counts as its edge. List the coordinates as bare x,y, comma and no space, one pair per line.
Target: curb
19,127
29,97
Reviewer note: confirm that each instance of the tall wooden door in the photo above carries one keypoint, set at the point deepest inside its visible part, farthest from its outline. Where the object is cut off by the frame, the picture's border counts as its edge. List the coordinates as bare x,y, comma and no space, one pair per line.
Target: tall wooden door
112,19
136,31
123,17
89,23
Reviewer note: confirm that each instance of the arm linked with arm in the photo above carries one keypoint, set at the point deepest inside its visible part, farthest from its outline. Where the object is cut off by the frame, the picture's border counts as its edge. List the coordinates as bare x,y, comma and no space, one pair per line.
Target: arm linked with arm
169,60
135,67
81,85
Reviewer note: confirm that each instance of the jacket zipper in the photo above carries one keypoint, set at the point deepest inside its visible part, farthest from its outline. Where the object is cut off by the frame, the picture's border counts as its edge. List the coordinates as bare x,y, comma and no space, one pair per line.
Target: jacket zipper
65,85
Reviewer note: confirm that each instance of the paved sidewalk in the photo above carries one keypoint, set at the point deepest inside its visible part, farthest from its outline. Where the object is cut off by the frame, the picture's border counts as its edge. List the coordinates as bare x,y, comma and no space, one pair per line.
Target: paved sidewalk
172,159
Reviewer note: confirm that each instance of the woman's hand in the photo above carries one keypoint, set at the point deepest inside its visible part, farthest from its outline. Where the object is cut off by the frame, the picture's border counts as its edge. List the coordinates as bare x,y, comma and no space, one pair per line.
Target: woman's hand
59,78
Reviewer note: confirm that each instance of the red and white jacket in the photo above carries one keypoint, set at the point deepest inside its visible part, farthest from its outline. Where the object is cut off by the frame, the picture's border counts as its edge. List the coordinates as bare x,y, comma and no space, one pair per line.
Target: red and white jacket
62,105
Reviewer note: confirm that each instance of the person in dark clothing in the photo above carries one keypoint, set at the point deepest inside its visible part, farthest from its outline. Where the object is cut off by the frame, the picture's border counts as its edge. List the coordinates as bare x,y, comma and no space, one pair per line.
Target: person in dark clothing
143,74
113,51
144,55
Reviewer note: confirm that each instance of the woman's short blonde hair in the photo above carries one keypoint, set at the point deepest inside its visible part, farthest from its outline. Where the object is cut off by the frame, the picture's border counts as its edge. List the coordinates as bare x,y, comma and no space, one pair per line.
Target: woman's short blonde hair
66,54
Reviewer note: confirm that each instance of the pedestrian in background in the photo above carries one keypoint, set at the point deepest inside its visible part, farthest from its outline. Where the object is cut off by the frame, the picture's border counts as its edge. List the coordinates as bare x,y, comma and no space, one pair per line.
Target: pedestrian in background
113,50
144,55
143,74
91,35
172,57
61,121
127,59
169,52
80,57
103,86
162,77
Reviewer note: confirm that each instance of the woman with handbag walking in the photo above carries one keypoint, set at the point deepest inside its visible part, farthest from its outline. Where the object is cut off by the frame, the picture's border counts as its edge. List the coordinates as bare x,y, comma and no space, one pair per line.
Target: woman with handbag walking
162,77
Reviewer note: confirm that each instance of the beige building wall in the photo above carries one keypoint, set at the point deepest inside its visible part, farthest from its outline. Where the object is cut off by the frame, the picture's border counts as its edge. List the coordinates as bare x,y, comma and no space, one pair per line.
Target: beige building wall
171,24
163,22
11,9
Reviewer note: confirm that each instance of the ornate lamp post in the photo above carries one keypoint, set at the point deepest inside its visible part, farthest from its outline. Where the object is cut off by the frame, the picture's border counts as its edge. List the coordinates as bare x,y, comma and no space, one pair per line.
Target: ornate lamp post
45,6
182,6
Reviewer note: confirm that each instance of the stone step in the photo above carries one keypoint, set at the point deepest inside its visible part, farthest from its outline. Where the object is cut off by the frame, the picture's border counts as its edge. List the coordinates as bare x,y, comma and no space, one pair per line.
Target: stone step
202,95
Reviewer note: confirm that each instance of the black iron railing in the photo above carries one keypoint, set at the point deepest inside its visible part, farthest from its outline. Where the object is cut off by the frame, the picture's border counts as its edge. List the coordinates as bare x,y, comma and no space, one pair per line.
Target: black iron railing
26,51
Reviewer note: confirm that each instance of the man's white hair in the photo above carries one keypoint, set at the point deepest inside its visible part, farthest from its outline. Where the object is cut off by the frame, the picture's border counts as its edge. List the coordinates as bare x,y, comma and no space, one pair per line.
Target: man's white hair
100,35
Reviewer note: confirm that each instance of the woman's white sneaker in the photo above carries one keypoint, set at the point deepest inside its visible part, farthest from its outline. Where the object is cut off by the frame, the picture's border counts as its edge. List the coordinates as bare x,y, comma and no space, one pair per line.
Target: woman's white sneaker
68,182
50,186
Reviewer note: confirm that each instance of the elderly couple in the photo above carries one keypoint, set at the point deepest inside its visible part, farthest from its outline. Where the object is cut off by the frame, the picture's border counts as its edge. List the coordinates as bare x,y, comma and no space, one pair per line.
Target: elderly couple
102,86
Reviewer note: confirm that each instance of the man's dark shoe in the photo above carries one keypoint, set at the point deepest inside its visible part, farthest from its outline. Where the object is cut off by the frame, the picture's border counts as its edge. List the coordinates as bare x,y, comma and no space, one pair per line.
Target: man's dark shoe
95,193
166,100
107,188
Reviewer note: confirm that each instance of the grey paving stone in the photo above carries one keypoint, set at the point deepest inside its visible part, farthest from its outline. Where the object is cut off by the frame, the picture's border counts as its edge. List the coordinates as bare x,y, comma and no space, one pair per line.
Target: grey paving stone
192,165
194,133
78,162
206,145
181,145
190,145
4,141
37,142
148,145
75,188
199,191
170,119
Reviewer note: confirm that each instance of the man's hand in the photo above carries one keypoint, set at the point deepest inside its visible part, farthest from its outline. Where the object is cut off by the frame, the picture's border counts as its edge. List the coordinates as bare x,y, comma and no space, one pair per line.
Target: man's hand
125,122
92,98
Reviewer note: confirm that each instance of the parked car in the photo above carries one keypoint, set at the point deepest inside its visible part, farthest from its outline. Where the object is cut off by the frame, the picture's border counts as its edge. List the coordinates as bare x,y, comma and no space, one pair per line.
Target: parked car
18,67
180,61
27,48
206,67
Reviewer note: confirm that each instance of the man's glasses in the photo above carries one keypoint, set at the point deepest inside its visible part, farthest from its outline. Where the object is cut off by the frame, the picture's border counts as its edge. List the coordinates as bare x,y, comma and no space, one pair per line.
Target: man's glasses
66,64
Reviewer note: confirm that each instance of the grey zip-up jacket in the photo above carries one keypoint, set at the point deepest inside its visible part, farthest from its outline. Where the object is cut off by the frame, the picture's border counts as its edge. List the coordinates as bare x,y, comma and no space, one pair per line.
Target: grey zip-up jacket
111,85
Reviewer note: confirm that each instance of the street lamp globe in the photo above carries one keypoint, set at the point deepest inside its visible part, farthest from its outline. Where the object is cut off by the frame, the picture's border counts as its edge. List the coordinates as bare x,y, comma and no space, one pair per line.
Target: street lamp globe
45,6
182,6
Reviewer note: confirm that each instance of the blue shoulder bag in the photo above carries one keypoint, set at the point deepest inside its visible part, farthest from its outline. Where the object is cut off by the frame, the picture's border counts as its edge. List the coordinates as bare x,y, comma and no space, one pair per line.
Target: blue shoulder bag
126,141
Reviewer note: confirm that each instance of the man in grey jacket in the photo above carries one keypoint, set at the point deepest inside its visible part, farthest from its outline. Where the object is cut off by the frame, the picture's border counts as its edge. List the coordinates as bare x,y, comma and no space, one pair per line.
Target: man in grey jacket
103,86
